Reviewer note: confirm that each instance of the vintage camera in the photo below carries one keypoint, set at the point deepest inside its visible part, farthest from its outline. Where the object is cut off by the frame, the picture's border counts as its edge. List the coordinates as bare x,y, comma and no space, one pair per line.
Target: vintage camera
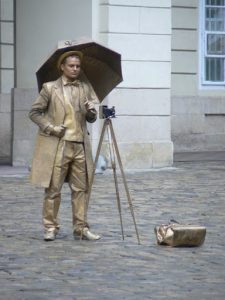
105,112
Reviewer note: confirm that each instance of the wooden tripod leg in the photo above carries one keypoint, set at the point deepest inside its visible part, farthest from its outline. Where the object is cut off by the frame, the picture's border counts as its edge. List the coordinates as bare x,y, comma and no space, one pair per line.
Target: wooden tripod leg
124,179
118,199
96,160
93,174
113,163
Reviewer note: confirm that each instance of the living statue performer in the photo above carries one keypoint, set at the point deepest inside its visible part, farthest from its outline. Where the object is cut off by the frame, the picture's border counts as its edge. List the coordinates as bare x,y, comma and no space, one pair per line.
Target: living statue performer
63,152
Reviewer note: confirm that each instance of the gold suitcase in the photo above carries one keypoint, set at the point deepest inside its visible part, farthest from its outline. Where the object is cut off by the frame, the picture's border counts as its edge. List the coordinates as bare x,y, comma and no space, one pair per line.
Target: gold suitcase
176,235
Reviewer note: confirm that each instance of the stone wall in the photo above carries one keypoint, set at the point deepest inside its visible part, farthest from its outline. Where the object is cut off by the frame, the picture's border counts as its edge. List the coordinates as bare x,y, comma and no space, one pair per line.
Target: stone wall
184,75
141,32
7,66
198,113
33,47
5,129
6,46
198,123
39,27
24,131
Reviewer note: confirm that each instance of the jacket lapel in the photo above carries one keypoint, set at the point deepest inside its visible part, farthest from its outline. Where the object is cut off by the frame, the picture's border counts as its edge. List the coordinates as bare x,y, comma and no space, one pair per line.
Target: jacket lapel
59,90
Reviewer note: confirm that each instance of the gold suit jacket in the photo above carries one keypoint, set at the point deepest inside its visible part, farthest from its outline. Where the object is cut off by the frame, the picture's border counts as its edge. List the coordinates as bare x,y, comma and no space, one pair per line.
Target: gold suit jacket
49,109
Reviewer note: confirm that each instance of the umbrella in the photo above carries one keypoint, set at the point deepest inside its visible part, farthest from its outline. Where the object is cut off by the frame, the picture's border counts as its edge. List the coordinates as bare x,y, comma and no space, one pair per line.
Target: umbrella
101,66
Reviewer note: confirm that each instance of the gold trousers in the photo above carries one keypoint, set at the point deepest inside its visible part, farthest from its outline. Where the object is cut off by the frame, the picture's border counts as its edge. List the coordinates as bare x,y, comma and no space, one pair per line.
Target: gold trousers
69,164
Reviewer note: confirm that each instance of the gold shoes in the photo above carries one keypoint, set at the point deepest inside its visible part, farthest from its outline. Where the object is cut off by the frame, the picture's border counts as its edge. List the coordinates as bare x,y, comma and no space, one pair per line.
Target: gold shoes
87,235
50,234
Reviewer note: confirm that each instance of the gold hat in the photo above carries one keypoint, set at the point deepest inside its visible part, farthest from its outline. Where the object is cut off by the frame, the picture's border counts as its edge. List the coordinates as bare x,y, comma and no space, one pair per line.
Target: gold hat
66,54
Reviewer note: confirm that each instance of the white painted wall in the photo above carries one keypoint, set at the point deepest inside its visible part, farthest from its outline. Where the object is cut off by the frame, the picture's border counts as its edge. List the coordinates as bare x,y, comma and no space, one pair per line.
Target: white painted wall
141,32
40,25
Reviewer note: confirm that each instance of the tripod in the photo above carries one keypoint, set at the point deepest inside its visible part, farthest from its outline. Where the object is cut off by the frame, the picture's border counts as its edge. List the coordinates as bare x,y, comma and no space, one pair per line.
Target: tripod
113,148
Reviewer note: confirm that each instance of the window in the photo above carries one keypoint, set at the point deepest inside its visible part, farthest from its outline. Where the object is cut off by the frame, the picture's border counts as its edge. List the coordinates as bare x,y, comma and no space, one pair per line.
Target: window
214,42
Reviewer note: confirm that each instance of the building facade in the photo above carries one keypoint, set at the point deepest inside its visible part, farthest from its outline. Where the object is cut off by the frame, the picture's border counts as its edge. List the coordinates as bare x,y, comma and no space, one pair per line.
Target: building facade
172,93
7,78
198,70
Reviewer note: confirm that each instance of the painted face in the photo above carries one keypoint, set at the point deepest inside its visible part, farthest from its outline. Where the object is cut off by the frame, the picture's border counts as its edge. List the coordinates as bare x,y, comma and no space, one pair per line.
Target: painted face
71,67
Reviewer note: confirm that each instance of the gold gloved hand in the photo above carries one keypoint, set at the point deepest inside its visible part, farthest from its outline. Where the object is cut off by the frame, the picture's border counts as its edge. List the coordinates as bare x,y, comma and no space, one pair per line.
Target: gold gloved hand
89,105
58,131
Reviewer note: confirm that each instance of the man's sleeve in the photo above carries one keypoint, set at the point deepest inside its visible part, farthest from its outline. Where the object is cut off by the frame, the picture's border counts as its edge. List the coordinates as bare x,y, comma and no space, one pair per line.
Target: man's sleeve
39,107
91,115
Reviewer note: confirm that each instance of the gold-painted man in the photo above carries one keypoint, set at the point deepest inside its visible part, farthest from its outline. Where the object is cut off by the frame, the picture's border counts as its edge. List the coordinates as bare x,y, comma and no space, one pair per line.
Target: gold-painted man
63,152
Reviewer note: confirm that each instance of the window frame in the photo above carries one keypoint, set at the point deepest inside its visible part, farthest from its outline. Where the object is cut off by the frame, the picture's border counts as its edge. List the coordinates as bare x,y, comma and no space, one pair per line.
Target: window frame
203,48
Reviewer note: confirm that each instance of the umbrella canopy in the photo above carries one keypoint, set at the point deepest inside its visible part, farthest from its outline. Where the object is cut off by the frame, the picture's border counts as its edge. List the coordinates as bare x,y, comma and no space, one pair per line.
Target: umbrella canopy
101,66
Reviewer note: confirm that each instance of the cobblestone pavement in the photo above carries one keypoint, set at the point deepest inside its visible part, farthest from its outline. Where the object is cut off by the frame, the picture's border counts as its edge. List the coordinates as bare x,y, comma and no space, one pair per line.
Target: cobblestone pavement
65,269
